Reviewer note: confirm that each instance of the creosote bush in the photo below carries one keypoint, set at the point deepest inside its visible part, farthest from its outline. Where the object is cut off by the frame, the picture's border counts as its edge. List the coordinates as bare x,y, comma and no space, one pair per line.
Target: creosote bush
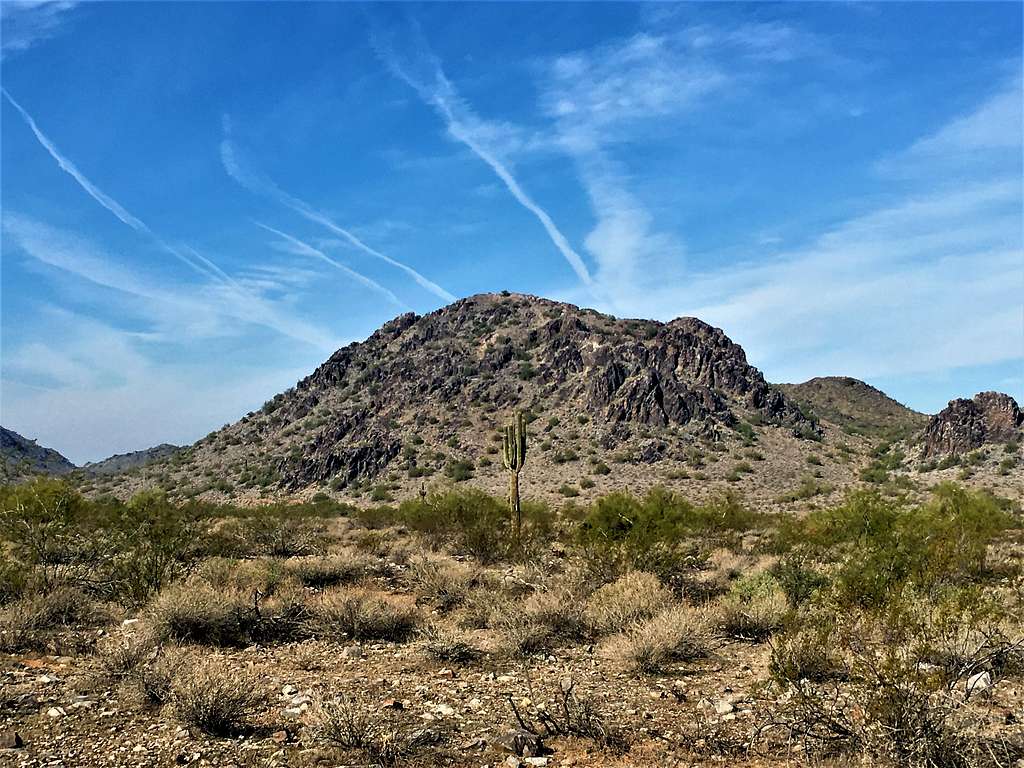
754,607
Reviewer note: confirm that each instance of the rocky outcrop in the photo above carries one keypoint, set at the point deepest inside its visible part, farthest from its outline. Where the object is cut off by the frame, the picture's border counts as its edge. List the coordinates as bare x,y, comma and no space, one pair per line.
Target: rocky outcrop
457,370
963,425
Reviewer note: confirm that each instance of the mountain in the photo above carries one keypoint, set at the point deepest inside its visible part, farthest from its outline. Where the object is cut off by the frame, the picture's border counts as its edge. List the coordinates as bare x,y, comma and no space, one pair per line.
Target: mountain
613,404
963,425
123,462
426,395
855,407
23,458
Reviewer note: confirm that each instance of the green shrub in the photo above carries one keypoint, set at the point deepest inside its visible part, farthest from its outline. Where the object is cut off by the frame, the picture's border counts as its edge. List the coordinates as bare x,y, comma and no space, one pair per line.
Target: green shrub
754,607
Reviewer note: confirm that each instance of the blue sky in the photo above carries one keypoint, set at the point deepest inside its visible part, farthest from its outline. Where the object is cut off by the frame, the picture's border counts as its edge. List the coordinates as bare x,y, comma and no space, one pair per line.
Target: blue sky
201,201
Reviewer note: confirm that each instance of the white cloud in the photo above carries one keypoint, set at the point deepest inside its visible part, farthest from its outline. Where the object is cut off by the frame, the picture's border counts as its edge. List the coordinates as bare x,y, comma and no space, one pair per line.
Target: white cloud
192,310
25,23
299,248
487,140
103,396
259,184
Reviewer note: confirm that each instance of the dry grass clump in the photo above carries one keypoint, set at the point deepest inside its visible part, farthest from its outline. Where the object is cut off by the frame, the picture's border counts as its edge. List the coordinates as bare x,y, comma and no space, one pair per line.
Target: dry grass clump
447,645
537,622
630,598
567,714
754,608
354,614
195,612
442,583
214,699
806,653
679,633
482,602
331,570
26,622
385,739
119,657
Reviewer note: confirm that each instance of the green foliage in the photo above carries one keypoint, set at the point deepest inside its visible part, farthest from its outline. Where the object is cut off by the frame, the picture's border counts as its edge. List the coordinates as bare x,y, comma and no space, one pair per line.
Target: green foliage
459,470
623,531
473,522
880,544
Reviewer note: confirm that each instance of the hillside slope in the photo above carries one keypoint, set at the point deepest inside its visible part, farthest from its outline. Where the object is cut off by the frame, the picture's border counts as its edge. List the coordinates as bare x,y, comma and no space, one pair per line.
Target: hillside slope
856,407
614,404
23,458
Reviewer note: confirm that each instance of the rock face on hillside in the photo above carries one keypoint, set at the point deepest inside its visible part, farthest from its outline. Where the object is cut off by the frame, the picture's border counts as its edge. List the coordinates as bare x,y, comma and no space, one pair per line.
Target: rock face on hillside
450,377
23,458
963,425
497,352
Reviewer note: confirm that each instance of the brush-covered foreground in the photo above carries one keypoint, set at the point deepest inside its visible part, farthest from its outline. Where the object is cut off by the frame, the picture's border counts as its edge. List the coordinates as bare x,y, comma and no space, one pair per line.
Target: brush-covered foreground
635,631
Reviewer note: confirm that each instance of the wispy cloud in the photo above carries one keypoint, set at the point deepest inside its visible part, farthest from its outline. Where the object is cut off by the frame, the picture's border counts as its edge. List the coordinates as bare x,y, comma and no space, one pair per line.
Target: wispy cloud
90,389
203,266
25,23
436,90
260,184
178,311
300,248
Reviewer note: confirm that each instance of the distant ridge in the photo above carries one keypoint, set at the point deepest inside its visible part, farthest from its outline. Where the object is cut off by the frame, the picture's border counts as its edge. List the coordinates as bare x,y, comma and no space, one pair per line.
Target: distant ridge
23,458
856,407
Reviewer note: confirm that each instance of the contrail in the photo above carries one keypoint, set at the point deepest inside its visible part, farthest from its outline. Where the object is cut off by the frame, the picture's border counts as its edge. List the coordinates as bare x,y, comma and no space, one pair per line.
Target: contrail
194,260
309,250
103,198
445,101
259,184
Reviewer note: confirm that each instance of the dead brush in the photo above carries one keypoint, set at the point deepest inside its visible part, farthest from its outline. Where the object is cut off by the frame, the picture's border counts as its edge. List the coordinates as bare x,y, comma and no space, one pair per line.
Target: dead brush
447,645
26,623
566,714
385,740
218,701
442,583
679,633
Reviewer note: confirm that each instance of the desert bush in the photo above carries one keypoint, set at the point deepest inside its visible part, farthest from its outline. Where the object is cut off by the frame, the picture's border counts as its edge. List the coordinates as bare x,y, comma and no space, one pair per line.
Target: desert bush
621,532
442,583
195,612
679,633
447,645
882,543
386,739
633,597
214,699
806,652
754,607
354,614
889,707
26,622
119,657
475,523
113,550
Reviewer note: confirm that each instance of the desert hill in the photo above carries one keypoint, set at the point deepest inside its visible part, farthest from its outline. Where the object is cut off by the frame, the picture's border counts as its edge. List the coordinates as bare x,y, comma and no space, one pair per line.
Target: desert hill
23,458
856,407
613,404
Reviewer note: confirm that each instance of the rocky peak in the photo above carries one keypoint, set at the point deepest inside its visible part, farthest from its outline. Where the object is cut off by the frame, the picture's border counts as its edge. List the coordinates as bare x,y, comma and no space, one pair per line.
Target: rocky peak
963,425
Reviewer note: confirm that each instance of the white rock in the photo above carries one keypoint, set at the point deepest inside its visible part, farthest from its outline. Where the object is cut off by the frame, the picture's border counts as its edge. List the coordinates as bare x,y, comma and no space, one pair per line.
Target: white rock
979,682
444,710
474,704
129,622
55,712
535,760
289,690
724,707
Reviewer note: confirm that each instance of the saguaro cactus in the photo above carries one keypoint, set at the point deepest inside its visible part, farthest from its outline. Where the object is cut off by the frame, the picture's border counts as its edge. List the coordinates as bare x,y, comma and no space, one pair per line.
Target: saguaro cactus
513,456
